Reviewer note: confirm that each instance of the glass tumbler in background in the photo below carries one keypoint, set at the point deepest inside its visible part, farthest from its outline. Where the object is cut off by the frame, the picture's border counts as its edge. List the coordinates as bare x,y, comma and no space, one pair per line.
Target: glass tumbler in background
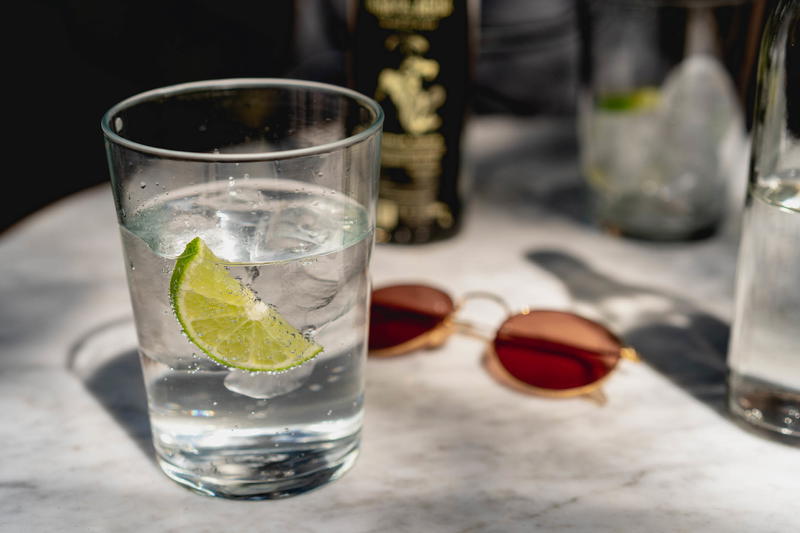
278,179
661,123
764,358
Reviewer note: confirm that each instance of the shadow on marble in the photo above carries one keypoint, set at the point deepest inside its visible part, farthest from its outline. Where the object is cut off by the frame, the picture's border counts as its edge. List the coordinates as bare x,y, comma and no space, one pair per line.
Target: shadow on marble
107,362
671,334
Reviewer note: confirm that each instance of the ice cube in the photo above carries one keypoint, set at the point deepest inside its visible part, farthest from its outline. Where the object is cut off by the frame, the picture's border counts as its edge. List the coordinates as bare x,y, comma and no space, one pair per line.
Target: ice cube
297,230
265,385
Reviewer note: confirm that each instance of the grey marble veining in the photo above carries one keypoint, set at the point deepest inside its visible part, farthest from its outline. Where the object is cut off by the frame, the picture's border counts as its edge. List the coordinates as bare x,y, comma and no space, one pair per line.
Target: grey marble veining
445,449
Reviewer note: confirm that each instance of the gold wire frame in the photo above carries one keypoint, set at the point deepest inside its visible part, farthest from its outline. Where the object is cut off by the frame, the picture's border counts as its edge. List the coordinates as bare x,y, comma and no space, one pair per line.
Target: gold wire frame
428,340
437,336
592,391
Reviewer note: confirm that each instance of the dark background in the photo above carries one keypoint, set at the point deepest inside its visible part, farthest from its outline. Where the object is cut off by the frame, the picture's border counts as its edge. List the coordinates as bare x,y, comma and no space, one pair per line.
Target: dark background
79,57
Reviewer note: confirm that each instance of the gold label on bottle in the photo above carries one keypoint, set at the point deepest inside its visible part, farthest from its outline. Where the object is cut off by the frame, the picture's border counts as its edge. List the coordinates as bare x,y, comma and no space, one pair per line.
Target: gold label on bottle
416,105
411,57
419,155
409,14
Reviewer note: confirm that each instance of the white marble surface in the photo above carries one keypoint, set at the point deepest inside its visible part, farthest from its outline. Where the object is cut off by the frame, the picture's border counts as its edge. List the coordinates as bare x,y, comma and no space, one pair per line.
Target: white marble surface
445,448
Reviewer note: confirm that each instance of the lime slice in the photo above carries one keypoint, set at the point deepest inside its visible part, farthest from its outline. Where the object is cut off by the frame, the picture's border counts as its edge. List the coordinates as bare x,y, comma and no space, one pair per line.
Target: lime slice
227,321
643,99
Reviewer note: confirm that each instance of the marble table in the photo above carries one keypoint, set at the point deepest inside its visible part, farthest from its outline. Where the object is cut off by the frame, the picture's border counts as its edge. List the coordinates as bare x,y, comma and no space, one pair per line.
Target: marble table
445,448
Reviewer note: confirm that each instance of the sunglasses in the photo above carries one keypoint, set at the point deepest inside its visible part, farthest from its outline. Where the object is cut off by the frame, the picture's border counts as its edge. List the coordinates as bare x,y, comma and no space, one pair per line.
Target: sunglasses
540,352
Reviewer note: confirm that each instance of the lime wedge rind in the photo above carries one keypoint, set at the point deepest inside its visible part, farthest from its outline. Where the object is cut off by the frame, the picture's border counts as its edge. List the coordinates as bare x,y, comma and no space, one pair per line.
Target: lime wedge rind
226,321
638,100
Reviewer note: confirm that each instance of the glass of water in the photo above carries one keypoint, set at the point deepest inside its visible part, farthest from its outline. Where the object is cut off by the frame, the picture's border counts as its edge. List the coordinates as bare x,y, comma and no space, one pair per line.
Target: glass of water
662,131
764,358
246,210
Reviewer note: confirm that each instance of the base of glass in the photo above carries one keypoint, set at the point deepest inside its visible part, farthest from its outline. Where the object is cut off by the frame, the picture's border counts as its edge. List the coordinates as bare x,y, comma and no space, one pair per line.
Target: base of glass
272,479
765,405
644,217
658,232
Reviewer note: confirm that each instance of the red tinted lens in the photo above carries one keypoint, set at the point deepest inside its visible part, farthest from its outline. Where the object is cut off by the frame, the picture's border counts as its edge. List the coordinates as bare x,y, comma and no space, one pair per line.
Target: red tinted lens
555,350
403,312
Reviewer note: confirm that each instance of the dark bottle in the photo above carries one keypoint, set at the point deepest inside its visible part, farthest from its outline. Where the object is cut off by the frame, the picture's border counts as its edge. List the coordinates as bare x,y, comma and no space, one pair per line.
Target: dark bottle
415,58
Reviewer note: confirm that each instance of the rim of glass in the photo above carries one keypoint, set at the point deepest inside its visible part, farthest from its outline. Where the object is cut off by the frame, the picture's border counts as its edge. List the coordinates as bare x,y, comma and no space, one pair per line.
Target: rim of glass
242,83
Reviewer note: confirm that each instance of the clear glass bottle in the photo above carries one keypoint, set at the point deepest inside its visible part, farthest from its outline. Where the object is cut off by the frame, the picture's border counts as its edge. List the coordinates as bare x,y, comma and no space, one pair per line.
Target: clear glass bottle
764,357
661,113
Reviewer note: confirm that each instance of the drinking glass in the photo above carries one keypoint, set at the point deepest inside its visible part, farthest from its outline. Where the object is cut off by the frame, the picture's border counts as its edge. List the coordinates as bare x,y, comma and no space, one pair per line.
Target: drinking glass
271,186
662,131
764,358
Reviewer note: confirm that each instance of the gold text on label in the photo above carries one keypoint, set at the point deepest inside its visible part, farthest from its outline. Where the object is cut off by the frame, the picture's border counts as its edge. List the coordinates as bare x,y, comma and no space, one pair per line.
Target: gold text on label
410,14
419,155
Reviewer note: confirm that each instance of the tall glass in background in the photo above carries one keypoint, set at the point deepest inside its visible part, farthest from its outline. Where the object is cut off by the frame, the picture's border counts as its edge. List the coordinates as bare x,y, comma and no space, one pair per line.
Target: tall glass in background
764,358
662,130
279,179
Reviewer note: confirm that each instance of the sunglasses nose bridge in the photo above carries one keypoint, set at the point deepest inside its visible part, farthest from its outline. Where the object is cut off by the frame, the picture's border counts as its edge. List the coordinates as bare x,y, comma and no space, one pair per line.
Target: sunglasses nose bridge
476,324
483,295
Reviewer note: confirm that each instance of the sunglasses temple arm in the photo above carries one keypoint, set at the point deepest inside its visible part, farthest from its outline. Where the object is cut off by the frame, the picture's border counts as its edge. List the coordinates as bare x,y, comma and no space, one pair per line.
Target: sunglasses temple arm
629,353
482,333
473,330
597,396
558,348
